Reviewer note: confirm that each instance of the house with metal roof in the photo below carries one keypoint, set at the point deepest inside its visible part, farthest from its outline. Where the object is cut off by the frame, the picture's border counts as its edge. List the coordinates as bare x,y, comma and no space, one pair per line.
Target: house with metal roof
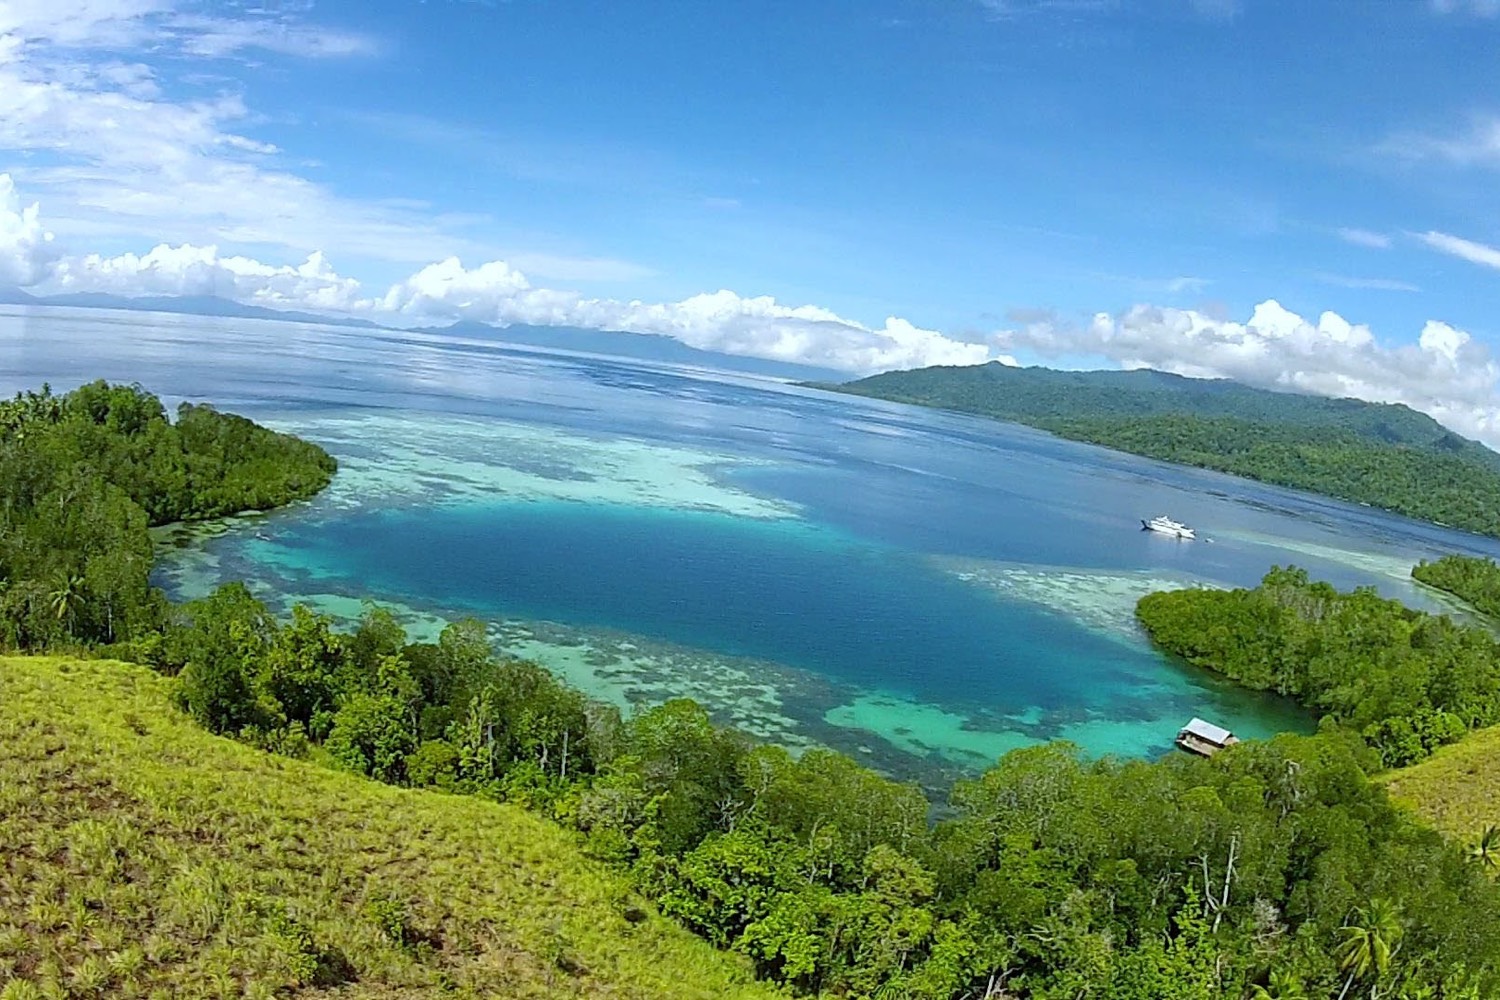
1204,738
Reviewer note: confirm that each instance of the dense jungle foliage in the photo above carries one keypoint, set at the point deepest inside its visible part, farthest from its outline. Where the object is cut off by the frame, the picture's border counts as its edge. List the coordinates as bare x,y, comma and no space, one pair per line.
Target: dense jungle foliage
82,476
1406,681
1384,455
1276,869
1472,580
1276,866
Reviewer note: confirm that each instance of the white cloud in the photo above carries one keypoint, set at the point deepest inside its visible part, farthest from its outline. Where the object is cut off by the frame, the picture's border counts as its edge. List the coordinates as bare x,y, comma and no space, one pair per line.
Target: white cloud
1478,8
190,270
112,156
1478,145
1365,238
1445,374
1367,284
1186,283
495,292
1475,253
216,38
25,247
720,321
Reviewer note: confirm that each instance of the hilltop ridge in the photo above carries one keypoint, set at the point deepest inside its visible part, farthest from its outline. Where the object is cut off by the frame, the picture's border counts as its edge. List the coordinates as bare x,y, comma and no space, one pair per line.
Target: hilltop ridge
1386,455
143,853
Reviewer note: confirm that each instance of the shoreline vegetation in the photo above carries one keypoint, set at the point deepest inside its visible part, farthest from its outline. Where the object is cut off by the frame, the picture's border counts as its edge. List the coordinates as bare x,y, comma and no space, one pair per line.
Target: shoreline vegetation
1378,454
1276,869
1474,581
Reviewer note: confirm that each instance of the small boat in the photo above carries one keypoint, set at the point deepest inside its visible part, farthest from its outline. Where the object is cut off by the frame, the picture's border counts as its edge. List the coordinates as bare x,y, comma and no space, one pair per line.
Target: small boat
1167,526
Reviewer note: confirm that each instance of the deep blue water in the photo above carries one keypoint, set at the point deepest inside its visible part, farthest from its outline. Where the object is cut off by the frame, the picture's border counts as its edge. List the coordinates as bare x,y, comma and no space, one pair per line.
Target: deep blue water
847,622
739,586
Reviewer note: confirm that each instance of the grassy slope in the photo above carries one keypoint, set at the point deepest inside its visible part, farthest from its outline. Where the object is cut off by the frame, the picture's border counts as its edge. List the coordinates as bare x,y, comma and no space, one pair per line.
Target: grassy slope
140,856
1457,790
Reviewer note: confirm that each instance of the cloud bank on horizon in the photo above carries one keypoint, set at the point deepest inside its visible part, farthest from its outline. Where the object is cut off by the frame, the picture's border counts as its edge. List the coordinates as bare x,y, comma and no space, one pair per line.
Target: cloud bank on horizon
1445,374
156,181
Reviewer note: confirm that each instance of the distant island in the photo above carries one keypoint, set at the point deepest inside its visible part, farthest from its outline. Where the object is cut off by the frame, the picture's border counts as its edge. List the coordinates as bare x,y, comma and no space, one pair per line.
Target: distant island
1381,454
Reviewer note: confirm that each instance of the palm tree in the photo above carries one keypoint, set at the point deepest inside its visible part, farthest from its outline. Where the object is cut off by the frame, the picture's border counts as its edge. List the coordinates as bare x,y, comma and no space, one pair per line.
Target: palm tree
1283,986
1485,852
66,595
1369,942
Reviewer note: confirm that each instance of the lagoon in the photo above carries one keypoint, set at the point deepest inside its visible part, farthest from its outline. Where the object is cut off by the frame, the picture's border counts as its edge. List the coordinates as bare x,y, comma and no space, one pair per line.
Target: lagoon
923,590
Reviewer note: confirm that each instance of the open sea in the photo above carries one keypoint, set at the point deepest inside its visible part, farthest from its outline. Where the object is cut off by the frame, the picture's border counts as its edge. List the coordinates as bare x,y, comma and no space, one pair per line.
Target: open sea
922,590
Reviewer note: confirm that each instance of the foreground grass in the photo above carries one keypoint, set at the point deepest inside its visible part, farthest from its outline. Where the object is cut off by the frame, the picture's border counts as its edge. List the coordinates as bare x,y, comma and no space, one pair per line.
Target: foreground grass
1457,790
142,857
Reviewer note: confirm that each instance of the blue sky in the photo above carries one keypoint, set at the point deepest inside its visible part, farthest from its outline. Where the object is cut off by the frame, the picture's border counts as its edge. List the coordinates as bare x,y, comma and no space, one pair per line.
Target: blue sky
988,172
944,161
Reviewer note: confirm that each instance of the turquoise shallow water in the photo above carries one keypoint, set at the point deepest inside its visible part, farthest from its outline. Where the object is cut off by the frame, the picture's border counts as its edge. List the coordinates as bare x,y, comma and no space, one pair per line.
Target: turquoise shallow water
922,589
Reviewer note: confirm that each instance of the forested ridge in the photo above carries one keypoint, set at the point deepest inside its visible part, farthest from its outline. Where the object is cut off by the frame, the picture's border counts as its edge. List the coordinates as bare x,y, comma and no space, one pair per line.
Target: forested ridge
1384,455
1275,869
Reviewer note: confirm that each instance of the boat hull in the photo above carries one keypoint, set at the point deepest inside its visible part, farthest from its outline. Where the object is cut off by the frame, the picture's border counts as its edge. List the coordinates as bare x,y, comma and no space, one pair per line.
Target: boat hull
1162,529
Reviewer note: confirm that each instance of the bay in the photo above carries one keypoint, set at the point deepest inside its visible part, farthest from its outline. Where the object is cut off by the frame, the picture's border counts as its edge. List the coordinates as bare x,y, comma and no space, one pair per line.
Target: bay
924,590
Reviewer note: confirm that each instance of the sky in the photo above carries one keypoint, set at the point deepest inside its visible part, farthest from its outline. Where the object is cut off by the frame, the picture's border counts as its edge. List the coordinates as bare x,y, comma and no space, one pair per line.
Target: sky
1299,195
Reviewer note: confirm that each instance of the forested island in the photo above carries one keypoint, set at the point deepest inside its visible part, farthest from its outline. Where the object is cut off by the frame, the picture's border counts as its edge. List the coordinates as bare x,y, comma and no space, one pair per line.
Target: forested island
1406,681
1276,869
1472,580
1384,455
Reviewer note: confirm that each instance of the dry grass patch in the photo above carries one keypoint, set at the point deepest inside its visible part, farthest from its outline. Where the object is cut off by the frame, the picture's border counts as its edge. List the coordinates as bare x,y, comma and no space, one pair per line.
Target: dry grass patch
142,857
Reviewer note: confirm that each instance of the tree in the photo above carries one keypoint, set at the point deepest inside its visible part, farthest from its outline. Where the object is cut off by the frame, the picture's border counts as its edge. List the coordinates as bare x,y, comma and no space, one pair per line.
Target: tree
66,596
370,735
1369,943
1485,852
1283,986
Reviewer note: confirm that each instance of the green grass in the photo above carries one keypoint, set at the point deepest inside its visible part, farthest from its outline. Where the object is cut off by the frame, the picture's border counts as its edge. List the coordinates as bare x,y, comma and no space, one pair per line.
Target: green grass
1457,790
142,857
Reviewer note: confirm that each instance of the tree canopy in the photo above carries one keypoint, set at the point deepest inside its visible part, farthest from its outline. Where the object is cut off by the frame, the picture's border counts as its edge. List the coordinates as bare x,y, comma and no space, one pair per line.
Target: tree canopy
1405,680
84,474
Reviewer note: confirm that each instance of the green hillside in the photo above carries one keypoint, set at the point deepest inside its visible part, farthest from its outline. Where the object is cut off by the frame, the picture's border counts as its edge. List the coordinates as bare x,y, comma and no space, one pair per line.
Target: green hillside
141,856
1385,455
1457,789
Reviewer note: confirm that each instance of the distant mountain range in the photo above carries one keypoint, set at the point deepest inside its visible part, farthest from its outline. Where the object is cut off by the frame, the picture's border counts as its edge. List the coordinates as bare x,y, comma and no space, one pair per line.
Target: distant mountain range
637,346
186,305
1382,454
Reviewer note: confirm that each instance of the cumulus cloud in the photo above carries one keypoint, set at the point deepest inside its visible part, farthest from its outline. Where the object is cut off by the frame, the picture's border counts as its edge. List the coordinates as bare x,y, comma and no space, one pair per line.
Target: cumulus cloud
494,292
197,271
1445,374
26,250
1475,253
722,321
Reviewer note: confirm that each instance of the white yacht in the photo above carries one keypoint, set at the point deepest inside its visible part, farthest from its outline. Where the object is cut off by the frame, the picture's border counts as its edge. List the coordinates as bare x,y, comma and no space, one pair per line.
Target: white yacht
1167,526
